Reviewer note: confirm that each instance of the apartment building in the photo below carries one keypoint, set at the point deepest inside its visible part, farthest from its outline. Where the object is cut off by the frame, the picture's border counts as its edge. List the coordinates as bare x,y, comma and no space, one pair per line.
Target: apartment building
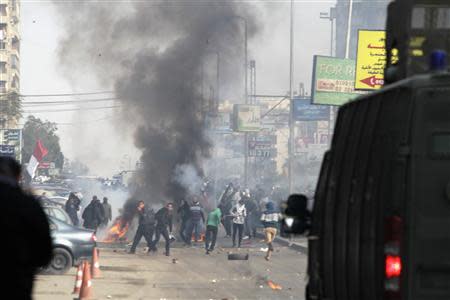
9,62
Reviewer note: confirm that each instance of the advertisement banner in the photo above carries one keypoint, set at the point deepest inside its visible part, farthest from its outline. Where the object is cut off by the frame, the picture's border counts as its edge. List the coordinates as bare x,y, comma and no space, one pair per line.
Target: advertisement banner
305,111
247,118
370,59
333,81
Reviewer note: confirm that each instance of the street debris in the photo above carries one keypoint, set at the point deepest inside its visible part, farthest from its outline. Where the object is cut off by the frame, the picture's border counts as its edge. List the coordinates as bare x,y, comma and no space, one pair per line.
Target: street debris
274,286
237,256
175,260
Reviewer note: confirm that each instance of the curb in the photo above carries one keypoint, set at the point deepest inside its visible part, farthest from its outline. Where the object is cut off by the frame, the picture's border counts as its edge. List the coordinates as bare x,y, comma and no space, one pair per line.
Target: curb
286,243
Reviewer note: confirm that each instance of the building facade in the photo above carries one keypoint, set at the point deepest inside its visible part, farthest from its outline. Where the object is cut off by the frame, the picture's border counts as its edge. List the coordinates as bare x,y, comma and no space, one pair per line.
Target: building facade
9,63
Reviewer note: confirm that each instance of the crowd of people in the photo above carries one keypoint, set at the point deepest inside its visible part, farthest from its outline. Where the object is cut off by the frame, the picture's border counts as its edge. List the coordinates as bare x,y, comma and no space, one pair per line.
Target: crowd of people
237,211
96,214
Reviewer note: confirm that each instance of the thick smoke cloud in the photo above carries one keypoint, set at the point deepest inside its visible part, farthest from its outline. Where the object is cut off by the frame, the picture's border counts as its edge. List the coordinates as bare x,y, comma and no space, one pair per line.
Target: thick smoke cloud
154,54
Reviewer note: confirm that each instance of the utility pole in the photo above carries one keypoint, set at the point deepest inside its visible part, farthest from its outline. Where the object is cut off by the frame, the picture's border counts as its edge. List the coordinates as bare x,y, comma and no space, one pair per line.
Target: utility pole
330,16
291,109
216,105
245,95
349,29
252,100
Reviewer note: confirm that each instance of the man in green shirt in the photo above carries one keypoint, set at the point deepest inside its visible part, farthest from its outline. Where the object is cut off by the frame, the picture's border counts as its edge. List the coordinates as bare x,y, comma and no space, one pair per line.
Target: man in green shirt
212,226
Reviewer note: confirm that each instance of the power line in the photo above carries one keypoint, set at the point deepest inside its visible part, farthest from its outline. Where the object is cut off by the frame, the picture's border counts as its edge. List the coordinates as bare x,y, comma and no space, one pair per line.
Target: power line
24,103
84,122
275,106
66,94
71,109
54,95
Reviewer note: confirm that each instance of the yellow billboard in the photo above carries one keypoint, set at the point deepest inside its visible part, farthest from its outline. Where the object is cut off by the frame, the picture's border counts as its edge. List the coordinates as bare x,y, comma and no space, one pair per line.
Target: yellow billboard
370,60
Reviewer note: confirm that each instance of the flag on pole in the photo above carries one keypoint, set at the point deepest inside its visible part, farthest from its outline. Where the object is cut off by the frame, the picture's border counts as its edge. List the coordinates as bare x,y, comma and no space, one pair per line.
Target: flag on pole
39,153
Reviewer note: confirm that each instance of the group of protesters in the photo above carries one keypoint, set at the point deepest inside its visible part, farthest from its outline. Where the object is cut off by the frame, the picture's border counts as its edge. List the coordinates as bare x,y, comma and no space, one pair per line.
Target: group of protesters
151,224
96,214
237,211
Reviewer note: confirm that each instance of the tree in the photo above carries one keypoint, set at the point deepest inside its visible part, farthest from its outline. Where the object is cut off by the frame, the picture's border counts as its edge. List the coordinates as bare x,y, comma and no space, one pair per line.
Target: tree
10,108
35,129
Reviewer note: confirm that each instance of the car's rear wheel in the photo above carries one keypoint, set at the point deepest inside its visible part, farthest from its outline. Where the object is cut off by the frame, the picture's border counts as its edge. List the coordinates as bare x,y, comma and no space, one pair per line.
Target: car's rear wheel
61,262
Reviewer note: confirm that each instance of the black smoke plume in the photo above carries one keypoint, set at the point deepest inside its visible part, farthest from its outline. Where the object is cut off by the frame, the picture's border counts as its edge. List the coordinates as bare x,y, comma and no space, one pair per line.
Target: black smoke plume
155,54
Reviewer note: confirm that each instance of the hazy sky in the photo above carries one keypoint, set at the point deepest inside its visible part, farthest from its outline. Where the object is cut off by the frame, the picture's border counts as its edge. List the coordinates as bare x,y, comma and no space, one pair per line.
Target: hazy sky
99,141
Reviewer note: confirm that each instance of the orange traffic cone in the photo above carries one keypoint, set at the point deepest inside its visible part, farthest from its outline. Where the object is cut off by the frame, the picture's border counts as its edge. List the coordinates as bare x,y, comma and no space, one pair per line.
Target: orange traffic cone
78,279
86,284
95,264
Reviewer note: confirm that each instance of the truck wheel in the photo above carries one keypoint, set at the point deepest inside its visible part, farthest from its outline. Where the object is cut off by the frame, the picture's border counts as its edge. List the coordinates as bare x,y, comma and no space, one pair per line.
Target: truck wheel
61,262
307,294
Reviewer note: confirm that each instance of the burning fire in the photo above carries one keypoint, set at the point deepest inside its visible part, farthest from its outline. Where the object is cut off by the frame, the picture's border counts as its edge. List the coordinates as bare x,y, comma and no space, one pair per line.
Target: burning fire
273,285
202,238
117,231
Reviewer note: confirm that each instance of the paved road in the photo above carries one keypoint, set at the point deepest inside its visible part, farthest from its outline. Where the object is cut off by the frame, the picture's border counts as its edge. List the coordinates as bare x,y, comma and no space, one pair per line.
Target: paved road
195,276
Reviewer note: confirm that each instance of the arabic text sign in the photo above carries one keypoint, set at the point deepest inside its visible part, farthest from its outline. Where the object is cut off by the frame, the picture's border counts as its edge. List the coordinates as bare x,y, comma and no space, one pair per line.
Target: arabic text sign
371,59
11,138
333,80
11,135
7,150
305,111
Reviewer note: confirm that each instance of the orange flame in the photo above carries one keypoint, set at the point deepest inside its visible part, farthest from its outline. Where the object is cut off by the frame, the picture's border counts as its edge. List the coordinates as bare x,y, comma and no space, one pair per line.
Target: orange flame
273,285
201,239
117,231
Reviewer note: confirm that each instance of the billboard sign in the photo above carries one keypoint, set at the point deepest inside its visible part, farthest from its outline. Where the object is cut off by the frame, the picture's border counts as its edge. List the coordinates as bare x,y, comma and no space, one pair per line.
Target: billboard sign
370,59
247,118
305,111
262,146
333,81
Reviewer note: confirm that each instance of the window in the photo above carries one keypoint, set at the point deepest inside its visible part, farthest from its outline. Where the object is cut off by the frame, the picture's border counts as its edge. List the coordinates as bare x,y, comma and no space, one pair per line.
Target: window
440,145
13,5
2,67
14,62
15,83
3,11
15,44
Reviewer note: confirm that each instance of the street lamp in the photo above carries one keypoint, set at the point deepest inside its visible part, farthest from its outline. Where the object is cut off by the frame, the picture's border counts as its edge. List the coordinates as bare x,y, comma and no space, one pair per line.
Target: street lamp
244,20
330,16
215,107
291,104
349,28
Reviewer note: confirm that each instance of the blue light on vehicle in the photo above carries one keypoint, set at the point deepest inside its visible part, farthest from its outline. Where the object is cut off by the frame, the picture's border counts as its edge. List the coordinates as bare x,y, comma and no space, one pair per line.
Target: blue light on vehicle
438,61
